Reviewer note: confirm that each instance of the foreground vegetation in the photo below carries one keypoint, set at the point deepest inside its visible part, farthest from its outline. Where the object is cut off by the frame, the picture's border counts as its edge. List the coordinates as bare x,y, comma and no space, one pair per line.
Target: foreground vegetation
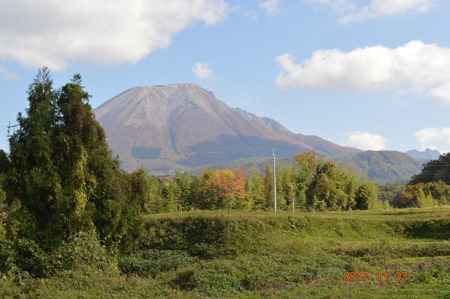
253,254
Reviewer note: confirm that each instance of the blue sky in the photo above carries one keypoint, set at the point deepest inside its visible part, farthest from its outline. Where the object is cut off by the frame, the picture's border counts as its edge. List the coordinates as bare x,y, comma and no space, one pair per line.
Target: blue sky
371,74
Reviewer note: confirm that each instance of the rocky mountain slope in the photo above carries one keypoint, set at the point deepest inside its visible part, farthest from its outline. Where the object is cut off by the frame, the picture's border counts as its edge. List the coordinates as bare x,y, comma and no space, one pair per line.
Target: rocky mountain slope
182,127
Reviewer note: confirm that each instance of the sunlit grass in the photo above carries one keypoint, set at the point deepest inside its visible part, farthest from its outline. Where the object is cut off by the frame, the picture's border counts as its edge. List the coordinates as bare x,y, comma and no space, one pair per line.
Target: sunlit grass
243,254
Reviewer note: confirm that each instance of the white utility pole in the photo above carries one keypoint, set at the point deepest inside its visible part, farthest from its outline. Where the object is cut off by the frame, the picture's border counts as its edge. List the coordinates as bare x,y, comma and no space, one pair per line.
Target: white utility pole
274,183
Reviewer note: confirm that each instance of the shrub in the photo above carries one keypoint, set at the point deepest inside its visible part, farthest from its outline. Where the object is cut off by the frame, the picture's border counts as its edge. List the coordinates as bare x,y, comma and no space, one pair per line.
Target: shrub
7,258
82,250
152,262
186,280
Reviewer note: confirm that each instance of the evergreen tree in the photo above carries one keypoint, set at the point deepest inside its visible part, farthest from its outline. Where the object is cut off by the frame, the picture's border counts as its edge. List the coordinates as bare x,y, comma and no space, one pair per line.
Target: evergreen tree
374,202
362,197
184,182
205,195
61,172
4,162
139,189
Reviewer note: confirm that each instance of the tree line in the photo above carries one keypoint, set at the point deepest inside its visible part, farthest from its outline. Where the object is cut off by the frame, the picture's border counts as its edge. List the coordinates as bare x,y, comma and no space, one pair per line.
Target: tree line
311,184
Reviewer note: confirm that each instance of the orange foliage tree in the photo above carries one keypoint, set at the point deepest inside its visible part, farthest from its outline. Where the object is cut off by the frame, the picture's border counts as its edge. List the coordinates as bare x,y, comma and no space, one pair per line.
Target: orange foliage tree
228,187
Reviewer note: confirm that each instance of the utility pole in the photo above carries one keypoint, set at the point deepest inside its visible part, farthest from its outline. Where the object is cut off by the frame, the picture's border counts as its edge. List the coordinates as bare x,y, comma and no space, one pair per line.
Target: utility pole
293,204
274,183
9,128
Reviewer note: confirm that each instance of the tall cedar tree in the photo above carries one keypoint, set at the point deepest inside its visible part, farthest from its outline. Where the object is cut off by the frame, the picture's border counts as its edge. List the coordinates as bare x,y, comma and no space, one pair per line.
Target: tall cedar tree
62,175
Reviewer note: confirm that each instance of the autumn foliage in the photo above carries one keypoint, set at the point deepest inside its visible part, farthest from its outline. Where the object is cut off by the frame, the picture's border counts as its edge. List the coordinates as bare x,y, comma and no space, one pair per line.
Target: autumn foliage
229,186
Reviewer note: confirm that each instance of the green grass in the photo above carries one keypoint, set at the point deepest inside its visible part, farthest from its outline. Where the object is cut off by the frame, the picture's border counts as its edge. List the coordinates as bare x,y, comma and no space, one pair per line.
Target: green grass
259,254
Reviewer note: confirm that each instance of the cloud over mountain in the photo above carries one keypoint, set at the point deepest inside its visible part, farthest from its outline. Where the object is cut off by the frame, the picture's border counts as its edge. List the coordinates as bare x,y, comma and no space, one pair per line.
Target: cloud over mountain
57,33
434,138
366,141
415,66
202,70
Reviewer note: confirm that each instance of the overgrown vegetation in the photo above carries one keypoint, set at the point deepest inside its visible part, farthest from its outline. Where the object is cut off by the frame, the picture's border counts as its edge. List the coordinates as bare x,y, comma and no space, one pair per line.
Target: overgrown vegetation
253,254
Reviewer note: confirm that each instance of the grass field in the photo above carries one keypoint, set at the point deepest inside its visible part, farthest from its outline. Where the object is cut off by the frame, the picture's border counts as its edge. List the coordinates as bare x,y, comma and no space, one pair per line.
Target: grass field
259,254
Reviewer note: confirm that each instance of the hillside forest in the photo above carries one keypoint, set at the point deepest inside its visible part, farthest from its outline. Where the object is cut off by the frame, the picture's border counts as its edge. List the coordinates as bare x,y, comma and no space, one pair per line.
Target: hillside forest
62,187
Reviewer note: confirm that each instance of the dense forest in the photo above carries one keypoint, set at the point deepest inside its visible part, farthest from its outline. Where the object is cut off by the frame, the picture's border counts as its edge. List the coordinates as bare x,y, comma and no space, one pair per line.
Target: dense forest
64,198
429,187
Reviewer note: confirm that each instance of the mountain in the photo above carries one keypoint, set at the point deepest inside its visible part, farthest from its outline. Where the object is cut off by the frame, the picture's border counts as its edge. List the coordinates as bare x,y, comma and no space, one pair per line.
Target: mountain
321,146
385,166
427,154
183,127
265,122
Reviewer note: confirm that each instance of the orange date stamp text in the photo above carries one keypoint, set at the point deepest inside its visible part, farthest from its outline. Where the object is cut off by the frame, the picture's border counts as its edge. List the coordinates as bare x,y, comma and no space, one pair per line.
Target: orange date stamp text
380,276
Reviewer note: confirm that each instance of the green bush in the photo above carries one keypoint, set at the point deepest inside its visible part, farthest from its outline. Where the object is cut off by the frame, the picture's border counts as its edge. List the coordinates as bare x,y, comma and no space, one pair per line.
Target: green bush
7,258
152,262
186,280
81,250
29,257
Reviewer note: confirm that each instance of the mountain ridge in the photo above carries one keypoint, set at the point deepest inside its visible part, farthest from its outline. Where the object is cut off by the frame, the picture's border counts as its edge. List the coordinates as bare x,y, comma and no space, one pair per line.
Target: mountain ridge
426,155
384,166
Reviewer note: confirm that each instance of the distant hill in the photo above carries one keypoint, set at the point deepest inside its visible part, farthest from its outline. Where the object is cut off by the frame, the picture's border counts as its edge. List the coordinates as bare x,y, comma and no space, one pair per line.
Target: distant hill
427,154
183,127
385,166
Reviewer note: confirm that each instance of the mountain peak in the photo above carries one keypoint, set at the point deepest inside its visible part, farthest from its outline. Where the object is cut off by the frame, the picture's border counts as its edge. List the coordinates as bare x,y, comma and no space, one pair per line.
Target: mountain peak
164,128
173,88
427,154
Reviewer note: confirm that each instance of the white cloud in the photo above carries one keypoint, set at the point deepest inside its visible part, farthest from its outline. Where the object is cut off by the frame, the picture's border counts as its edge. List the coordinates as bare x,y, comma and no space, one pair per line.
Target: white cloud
337,5
434,138
271,6
366,141
381,8
7,75
418,67
375,9
202,70
56,33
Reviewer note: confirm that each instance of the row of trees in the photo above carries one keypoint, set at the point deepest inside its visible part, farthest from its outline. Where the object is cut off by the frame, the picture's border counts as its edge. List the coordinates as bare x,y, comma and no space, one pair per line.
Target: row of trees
310,184
423,195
